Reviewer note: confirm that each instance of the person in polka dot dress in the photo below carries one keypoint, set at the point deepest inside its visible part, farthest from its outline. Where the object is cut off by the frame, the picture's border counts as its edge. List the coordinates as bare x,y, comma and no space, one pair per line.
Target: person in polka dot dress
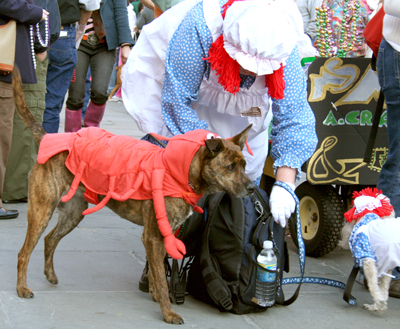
221,66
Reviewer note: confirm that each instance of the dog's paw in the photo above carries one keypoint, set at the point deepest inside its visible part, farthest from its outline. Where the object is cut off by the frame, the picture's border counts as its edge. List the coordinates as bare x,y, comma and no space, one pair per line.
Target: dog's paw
370,307
376,307
173,318
382,306
25,292
51,277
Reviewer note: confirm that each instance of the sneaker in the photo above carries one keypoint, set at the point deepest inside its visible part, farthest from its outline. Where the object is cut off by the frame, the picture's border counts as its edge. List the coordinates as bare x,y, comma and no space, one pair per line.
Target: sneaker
116,99
394,289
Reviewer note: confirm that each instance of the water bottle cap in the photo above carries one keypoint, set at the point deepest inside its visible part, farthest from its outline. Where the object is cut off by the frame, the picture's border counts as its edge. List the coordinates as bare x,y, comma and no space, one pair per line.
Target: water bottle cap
268,244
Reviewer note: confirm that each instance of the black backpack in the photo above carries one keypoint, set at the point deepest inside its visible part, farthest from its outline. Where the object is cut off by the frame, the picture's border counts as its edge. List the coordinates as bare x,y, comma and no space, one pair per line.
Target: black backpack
221,249
222,245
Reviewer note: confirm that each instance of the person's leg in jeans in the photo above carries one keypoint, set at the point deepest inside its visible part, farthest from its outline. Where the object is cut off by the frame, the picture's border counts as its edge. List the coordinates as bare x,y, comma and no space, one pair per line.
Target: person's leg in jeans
76,91
388,65
62,60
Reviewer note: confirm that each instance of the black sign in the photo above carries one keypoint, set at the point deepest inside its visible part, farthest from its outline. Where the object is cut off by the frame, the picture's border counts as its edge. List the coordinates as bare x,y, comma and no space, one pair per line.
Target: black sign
343,93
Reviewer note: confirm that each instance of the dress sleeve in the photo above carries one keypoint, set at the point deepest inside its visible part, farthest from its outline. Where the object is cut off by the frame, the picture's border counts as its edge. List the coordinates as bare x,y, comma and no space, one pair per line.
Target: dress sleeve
293,130
185,69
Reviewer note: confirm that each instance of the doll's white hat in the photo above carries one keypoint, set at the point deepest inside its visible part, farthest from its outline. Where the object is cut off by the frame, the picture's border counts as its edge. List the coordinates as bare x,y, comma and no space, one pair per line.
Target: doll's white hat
259,35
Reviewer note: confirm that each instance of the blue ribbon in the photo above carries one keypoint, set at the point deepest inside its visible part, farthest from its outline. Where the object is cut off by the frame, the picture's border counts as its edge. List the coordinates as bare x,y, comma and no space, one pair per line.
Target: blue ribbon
300,242
302,252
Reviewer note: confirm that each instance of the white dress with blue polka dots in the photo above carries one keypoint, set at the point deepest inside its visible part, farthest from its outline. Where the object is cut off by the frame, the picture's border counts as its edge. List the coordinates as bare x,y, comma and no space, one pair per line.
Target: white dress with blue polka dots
378,239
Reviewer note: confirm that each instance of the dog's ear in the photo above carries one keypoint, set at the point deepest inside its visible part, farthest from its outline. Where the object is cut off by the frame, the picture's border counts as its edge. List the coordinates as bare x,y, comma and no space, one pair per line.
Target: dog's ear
240,139
214,146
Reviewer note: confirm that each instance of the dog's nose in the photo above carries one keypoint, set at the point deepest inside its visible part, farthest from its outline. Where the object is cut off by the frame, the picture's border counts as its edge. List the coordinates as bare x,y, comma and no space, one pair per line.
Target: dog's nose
251,187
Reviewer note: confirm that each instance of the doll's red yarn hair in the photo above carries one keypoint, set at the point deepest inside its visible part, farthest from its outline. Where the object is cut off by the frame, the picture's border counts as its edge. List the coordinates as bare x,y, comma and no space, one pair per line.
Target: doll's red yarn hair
385,210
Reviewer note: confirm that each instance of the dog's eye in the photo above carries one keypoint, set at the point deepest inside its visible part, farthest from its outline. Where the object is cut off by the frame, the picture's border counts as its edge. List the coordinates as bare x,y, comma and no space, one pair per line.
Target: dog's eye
231,167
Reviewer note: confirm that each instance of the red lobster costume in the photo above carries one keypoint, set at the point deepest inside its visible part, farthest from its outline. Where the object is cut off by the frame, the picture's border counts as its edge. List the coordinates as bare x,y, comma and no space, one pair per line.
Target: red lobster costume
122,168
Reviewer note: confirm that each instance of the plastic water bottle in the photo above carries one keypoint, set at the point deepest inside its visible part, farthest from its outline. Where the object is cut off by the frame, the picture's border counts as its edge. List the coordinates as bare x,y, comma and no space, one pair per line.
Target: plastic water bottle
266,281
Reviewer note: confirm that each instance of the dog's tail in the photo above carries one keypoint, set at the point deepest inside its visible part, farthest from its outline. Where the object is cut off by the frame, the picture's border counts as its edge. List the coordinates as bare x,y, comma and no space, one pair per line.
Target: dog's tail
23,110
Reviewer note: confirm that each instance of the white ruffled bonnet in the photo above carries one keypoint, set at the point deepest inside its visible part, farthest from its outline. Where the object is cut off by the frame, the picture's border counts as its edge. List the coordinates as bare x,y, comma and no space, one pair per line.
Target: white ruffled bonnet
261,34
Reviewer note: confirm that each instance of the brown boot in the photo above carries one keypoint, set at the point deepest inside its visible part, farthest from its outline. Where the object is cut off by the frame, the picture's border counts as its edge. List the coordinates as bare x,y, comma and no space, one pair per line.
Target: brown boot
394,289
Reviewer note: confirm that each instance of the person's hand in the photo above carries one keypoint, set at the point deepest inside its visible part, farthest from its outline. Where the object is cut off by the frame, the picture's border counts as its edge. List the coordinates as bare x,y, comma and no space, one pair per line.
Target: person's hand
45,14
80,31
42,56
125,53
282,204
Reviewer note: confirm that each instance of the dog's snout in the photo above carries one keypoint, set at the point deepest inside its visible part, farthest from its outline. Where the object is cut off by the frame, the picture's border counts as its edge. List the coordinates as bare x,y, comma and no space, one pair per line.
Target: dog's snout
251,188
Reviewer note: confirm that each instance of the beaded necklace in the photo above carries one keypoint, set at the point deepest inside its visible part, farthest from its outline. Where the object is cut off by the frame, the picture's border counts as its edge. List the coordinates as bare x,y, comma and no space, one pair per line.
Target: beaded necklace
348,34
43,43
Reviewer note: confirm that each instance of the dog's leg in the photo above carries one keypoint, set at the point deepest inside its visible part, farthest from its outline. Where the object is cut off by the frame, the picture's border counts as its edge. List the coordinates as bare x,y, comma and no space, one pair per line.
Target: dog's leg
370,272
41,205
118,82
70,215
155,252
113,91
384,284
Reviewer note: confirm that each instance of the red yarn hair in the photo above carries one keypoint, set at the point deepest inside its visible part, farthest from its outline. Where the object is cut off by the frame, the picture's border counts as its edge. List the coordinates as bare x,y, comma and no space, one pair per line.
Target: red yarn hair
383,211
225,66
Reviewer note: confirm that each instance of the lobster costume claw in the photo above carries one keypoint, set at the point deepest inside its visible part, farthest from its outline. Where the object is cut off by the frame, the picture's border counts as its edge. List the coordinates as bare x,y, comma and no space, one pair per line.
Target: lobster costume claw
174,247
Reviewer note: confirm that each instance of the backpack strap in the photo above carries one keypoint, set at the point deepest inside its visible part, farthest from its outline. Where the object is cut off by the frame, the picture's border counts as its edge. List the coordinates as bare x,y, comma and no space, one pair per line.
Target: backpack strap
216,287
188,233
374,128
263,221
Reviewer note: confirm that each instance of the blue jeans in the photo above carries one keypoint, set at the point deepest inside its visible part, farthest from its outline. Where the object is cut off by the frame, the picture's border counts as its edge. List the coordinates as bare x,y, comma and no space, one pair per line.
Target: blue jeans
62,60
87,92
388,65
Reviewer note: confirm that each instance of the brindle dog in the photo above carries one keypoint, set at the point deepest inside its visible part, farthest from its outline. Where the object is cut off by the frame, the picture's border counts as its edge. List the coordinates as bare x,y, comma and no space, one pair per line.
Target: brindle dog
217,166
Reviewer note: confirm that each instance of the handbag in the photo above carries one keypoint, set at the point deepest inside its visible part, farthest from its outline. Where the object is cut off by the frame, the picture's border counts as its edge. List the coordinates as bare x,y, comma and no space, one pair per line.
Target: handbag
8,37
373,31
